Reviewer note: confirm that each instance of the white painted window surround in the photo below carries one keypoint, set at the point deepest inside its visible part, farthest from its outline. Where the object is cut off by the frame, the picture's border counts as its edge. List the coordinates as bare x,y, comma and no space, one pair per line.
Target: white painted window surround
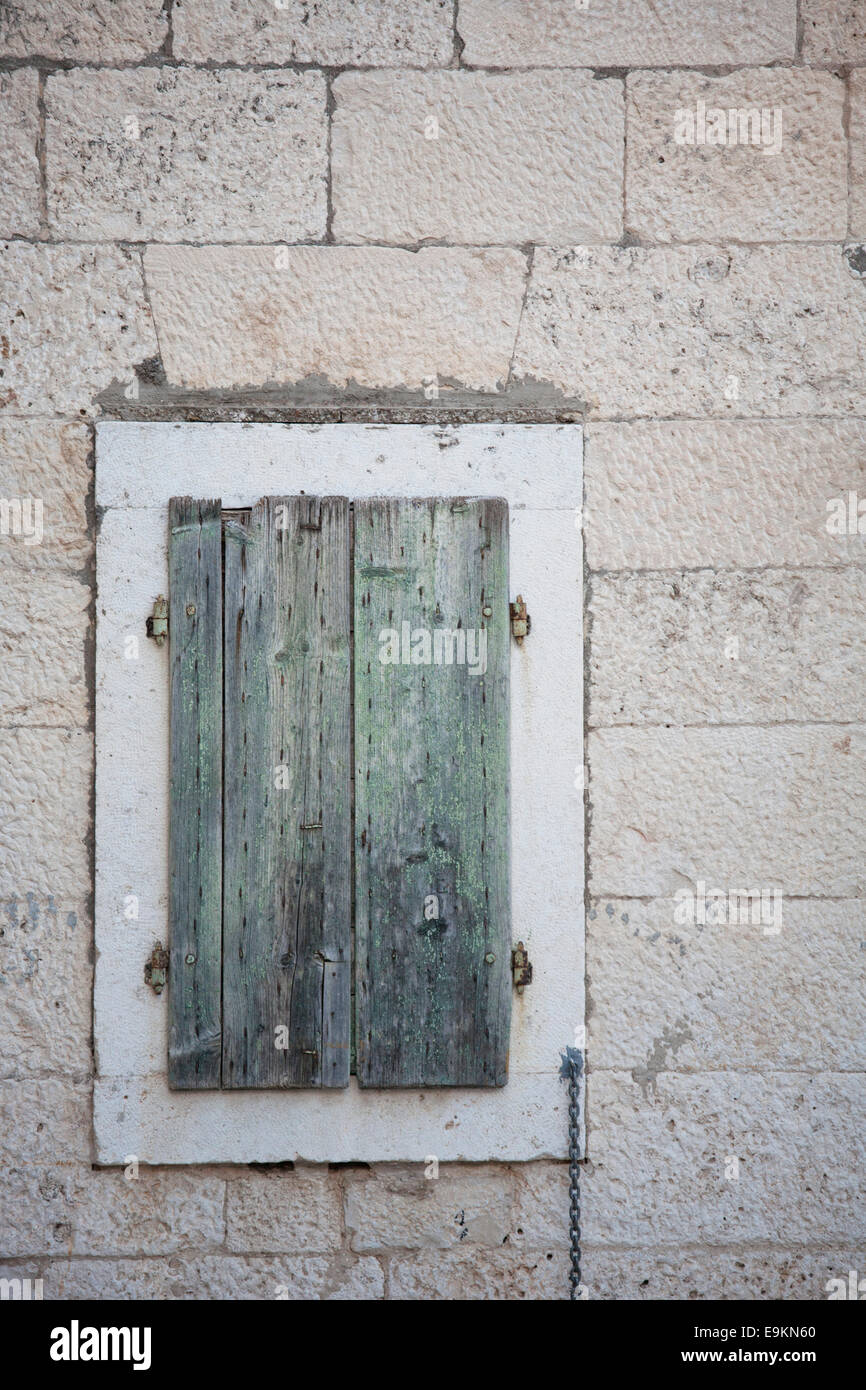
139,466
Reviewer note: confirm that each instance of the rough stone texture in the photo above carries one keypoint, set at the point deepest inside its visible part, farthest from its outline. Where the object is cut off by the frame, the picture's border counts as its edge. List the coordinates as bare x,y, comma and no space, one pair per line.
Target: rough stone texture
43,833
666,331
166,155
45,1123
44,620
857,136
662,1001
488,1274
725,495
834,31
296,1213
477,157
335,1277
371,316
694,648
19,119
625,33
699,1272
43,461
401,1208
657,1176
121,31
777,177
742,808
45,942
390,33
55,1211
72,320
540,1206
154,1213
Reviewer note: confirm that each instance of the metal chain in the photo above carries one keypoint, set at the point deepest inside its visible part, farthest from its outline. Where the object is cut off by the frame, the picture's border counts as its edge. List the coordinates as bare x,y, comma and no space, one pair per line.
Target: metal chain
572,1064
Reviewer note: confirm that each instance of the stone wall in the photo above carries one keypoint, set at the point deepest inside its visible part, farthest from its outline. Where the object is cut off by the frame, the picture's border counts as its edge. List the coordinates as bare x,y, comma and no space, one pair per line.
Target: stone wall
229,209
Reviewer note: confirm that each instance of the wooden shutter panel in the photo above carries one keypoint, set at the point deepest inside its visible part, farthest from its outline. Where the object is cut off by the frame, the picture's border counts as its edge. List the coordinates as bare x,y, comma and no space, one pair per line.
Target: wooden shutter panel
261,804
195,892
432,900
260,794
287,815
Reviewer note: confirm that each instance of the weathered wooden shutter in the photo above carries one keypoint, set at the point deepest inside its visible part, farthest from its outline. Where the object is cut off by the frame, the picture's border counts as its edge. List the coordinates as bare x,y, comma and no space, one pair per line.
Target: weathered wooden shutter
432,915
261,794
262,879
195,897
287,828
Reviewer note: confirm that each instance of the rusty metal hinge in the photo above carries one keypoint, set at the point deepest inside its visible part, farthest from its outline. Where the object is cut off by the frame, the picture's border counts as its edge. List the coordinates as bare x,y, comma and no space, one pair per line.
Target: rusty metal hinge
521,623
156,968
521,969
157,623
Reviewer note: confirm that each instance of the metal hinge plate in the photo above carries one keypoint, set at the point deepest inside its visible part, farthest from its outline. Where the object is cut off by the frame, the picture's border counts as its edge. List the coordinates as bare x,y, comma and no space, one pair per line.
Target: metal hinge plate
521,623
521,968
157,623
156,968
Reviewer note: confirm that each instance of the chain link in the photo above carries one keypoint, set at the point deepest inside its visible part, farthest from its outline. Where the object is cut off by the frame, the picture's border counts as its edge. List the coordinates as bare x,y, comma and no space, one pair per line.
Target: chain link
572,1065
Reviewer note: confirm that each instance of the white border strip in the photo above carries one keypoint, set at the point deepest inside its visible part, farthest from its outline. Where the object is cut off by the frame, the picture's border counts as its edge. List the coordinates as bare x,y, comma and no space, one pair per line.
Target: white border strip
139,467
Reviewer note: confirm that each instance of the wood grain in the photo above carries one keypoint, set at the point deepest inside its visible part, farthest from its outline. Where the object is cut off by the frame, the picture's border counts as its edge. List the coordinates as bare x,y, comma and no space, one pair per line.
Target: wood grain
195,836
432,891
287,833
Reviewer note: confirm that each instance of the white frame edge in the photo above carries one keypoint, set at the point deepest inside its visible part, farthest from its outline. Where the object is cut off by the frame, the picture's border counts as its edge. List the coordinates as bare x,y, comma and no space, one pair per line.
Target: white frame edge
139,466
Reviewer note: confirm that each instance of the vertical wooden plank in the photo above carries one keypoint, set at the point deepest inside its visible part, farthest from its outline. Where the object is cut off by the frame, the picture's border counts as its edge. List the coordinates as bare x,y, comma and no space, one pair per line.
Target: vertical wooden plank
287,835
195,647
432,914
